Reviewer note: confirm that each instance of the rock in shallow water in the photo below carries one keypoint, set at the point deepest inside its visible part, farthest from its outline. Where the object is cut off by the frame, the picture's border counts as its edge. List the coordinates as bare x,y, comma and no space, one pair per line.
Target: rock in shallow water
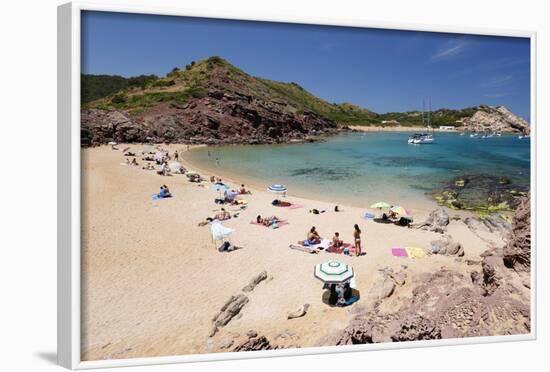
480,193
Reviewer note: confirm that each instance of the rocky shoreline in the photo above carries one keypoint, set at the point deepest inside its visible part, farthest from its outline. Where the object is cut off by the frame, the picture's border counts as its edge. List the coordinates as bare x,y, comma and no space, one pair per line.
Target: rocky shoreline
492,300
480,193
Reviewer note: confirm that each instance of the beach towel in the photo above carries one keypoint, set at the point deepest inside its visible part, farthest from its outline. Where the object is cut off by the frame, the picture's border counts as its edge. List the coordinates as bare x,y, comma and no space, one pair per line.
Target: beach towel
399,252
334,249
325,243
301,248
368,216
415,252
294,206
278,223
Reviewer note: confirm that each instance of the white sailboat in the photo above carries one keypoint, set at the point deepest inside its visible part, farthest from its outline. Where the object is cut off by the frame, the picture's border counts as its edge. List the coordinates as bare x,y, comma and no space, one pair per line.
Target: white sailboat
423,138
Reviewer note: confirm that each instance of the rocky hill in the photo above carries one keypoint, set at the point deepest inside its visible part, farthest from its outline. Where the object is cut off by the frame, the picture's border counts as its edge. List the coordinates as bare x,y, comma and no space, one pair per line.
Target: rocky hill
214,102
495,119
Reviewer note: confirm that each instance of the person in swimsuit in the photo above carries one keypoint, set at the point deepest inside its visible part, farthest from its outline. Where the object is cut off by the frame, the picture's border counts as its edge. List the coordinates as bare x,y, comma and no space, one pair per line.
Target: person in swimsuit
313,236
357,239
243,190
336,241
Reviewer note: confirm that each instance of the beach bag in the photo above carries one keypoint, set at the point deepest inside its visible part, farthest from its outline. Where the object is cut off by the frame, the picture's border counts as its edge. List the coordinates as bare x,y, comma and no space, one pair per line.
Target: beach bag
315,211
346,251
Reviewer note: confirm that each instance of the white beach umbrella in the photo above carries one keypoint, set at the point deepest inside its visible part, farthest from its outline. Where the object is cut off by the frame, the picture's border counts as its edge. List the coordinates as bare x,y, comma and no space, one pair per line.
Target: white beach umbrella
176,167
159,156
147,149
219,231
112,143
333,272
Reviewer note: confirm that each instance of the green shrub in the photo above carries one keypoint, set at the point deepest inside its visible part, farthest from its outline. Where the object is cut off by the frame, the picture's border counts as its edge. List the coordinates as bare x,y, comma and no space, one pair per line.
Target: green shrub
118,98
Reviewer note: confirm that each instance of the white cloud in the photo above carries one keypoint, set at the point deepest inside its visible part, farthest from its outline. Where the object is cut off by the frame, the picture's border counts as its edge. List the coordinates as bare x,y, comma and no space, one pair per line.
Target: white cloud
498,81
451,49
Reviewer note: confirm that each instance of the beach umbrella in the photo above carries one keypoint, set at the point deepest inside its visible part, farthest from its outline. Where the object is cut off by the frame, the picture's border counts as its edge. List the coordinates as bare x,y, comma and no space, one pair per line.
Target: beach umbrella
333,272
112,143
380,205
277,189
230,195
219,231
399,210
176,167
191,173
222,187
219,187
147,149
159,156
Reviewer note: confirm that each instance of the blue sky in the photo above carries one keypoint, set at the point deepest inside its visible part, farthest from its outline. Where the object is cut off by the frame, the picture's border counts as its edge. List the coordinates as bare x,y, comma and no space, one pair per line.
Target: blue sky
381,70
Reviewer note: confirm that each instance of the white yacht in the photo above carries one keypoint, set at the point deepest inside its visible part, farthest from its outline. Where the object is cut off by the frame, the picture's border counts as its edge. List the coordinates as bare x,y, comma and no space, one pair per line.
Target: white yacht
421,138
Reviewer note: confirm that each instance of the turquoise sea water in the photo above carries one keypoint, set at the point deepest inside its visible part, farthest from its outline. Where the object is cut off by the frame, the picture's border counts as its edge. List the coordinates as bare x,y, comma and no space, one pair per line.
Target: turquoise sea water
362,168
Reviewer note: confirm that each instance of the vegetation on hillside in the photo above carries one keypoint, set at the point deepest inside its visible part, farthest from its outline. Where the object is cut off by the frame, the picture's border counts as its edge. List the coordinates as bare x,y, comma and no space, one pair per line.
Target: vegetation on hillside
93,87
193,81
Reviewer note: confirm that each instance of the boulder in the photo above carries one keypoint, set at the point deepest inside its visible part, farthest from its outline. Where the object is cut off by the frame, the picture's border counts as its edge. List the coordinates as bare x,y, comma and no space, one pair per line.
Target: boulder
437,221
299,312
255,281
228,311
254,344
447,246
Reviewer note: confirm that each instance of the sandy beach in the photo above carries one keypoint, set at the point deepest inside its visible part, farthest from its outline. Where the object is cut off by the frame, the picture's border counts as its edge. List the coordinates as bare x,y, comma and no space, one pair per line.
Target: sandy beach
152,280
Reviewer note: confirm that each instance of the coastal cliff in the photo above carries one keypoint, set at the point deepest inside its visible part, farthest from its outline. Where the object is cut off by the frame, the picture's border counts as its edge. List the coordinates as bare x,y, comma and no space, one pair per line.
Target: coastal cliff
495,119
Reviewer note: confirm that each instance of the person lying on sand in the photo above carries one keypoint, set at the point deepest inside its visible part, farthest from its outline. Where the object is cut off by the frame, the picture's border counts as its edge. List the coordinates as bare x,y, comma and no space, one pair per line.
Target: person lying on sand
212,179
267,221
148,166
243,190
195,178
221,216
206,222
336,241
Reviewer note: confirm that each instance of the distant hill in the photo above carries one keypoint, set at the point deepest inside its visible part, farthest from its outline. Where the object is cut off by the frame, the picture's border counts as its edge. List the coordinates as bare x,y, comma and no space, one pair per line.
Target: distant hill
94,87
212,101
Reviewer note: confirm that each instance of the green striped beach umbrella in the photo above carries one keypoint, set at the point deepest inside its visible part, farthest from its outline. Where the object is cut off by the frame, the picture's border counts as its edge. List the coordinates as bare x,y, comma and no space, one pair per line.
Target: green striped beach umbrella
333,272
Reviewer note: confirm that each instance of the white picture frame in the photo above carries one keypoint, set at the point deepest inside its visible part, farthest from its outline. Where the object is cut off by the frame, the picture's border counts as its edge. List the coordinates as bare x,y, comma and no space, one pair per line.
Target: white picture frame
69,178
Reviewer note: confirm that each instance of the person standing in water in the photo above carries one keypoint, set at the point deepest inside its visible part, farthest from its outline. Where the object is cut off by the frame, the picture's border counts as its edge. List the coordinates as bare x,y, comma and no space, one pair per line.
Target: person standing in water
357,239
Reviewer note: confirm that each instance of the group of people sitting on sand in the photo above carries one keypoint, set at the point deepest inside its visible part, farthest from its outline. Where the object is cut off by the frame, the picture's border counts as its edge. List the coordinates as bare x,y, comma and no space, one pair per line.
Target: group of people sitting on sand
133,162
314,238
340,294
164,192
